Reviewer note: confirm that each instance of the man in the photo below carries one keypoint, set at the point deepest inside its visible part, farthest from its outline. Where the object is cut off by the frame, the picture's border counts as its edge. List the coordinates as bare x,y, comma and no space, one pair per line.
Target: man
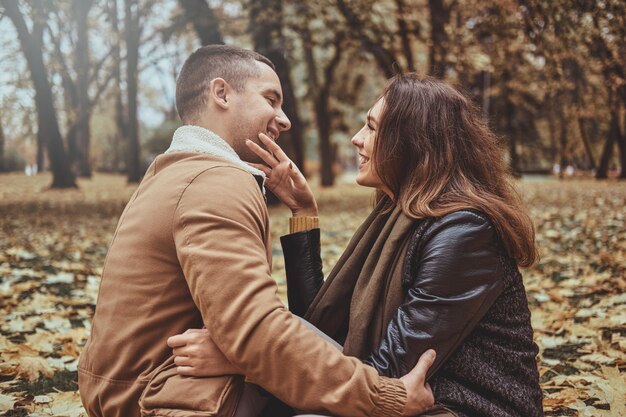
192,249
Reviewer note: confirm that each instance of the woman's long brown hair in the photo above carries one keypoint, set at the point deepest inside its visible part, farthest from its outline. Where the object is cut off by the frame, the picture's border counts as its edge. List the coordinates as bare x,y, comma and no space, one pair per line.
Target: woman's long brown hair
437,155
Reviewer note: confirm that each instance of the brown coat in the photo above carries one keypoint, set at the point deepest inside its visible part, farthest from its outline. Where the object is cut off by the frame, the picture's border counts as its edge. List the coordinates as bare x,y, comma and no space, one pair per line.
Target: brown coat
192,248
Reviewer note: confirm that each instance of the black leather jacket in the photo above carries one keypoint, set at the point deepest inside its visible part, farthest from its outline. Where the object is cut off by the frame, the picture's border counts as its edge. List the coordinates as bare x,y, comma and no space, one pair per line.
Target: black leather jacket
465,299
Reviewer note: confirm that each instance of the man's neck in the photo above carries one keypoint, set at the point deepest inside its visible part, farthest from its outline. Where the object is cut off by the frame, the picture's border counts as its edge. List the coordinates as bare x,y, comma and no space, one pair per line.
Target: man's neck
216,128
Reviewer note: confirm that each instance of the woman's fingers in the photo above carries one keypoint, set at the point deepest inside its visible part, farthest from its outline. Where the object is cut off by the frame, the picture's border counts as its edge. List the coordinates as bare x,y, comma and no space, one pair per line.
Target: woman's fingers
263,168
273,147
266,156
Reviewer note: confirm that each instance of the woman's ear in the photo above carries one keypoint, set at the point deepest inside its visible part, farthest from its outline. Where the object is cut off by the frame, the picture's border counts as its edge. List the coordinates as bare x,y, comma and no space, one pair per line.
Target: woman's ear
219,90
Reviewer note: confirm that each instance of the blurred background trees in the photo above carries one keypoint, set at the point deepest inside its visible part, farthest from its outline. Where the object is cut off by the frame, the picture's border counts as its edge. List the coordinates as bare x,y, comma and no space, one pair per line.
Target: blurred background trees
89,84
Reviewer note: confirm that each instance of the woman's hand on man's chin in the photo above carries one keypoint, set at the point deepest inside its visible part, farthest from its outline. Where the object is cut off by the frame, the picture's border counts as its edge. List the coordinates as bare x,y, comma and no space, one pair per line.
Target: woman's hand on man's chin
195,354
283,177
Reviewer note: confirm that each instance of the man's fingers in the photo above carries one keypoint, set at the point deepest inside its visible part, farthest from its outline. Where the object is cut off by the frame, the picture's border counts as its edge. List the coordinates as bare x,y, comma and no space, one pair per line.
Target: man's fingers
178,340
273,147
182,360
430,401
182,351
190,331
423,364
185,370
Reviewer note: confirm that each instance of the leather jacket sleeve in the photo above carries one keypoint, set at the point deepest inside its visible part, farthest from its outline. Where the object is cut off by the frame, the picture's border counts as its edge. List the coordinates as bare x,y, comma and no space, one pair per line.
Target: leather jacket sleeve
303,267
456,276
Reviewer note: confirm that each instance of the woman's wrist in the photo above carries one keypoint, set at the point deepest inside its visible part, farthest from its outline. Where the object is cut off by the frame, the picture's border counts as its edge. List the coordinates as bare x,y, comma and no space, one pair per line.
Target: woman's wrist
305,212
303,223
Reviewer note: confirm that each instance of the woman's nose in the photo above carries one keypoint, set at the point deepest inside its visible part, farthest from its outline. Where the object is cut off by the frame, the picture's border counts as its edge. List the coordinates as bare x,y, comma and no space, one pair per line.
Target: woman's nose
357,139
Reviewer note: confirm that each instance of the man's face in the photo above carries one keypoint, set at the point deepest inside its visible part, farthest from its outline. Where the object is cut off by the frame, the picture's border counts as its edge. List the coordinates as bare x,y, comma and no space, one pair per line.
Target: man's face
257,109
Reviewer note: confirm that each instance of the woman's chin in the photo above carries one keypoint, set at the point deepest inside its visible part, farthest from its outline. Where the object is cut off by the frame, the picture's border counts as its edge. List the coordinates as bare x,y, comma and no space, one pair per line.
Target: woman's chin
363,182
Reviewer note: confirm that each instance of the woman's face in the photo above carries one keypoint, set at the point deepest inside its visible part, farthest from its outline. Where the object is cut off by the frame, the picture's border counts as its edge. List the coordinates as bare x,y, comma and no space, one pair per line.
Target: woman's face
364,140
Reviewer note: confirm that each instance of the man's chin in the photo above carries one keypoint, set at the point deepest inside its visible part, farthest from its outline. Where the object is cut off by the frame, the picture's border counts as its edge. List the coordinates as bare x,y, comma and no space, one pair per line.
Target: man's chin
251,157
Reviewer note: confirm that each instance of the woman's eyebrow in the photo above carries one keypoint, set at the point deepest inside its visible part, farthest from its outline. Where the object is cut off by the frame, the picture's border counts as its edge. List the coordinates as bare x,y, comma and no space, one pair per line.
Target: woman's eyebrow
370,119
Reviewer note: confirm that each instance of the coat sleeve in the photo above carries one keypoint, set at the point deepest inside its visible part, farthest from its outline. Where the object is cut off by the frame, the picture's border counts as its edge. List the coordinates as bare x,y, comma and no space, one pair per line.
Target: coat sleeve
219,229
458,277
303,267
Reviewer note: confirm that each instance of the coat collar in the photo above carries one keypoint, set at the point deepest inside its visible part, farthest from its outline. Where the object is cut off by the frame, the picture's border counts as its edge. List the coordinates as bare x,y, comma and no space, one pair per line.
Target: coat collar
189,138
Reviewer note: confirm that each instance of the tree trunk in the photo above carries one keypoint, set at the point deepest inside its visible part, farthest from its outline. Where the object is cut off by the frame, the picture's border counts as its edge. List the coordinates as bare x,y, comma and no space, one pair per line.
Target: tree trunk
563,160
203,20
486,93
607,152
321,96
552,130
119,138
83,111
41,153
585,138
385,58
324,120
621,145
131,28
512,135
322,117
439,17
404,32
2,168
47,122
266,30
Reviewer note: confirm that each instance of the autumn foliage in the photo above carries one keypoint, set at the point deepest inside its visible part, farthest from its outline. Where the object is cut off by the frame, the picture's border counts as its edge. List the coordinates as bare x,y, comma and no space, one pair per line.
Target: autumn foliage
53,244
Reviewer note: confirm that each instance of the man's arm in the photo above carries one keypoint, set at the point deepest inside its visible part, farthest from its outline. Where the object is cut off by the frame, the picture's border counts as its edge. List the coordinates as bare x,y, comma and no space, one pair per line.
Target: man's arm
219,229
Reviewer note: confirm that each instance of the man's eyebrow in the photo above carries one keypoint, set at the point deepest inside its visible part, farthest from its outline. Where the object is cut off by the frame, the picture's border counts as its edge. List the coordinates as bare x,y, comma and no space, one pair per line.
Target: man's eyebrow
274,92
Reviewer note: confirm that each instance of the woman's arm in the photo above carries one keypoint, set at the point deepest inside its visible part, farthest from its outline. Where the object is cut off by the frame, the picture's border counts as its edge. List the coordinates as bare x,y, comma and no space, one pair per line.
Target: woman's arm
303,267
457,279
301,247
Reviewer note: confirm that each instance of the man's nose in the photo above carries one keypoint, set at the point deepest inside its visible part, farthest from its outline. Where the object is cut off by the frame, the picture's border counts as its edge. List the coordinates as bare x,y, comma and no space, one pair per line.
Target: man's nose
283,121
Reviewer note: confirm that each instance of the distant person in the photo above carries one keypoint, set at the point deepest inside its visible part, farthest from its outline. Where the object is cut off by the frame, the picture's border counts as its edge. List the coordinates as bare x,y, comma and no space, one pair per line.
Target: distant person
434,265
192,249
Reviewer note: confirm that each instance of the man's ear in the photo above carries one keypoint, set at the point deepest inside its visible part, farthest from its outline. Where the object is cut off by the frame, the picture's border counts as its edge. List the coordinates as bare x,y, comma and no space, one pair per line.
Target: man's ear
219,90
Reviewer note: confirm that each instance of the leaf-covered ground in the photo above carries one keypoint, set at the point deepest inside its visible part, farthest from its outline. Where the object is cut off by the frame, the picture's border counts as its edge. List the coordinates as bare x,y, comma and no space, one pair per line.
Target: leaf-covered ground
53,243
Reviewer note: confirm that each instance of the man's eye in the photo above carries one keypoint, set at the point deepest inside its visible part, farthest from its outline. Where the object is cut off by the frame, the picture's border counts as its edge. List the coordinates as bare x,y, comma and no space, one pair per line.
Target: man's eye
271,100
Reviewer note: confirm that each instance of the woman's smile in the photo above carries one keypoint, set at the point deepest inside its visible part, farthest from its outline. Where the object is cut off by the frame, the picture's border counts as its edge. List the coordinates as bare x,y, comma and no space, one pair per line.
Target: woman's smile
363,160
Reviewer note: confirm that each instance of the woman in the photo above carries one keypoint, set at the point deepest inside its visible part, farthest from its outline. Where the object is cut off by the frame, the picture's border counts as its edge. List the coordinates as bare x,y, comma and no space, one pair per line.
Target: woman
435,264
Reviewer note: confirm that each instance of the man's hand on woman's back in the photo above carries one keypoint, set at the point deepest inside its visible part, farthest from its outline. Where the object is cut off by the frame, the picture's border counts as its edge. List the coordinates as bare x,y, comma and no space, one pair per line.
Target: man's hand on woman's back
197,355
419,394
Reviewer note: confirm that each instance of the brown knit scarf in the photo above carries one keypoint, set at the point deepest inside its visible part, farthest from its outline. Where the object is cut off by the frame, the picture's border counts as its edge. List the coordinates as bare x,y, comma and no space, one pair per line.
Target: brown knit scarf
364,289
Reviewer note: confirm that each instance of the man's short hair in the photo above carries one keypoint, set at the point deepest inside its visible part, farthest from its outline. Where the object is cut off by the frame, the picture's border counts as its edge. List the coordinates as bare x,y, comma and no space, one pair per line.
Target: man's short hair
234,65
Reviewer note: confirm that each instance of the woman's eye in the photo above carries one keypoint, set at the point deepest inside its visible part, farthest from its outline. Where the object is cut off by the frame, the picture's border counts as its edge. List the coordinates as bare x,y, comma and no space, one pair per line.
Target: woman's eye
369,126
